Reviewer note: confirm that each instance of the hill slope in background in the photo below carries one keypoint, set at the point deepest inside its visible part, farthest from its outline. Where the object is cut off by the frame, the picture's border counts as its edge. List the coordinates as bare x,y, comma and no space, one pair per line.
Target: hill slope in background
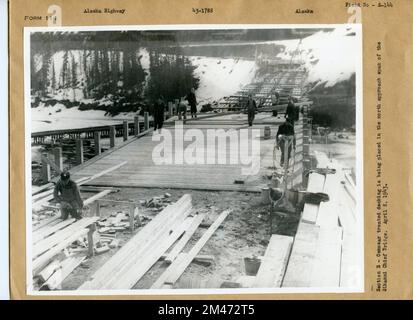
329,56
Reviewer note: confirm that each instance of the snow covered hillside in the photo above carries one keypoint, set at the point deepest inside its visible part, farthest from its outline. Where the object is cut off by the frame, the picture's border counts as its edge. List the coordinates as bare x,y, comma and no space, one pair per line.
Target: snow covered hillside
330,57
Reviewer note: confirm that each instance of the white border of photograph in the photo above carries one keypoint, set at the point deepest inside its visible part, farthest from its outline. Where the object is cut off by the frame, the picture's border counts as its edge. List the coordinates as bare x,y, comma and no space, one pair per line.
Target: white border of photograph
359,161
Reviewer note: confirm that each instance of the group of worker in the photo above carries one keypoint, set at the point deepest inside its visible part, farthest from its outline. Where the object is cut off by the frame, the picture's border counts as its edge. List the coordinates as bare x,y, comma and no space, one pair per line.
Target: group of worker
159,108
285,131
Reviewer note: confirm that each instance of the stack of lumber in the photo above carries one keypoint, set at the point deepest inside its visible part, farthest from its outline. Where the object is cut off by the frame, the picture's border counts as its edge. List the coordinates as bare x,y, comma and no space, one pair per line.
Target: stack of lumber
53,238
124,269
184,259
53,275
325,251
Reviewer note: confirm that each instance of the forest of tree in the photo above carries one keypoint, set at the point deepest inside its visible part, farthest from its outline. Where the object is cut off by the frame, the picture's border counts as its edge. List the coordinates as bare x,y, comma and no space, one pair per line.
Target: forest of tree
171,76
335,106
98,65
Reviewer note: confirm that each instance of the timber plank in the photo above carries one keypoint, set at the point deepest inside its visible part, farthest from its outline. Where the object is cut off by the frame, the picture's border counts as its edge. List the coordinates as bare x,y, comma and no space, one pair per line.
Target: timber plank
185,238
41,234
175,270
44,258
66,267
327,258
273,264
300,264
350,272
61,236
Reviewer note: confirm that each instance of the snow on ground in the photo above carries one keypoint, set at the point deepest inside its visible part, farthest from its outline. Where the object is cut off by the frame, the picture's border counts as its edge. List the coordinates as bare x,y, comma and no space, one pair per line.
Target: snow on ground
329,56
59,117
221,77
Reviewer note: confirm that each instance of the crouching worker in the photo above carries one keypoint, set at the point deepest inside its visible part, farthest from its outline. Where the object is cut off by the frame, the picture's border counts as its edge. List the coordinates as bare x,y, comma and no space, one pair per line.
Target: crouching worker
66,192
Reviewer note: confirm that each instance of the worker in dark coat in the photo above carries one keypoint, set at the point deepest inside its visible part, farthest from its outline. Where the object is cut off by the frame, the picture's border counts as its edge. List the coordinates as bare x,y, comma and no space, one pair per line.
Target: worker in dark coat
66,192
192,102
292,112
251,108
158,114
284,134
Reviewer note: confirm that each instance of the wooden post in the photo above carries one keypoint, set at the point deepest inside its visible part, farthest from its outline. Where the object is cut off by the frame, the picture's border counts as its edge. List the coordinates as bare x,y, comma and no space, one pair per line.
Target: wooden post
112,136
91,245
79,151
136,129
97,208
58,159
132,217
146,119
45,172
125,130
96,136
170,109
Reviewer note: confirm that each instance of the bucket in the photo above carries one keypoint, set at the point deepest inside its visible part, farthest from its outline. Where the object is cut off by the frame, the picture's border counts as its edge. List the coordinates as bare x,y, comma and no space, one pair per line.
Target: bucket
265,195
251,266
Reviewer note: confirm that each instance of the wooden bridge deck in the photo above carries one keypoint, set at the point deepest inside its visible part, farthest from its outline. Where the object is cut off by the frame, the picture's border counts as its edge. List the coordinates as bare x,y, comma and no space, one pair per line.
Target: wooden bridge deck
141,170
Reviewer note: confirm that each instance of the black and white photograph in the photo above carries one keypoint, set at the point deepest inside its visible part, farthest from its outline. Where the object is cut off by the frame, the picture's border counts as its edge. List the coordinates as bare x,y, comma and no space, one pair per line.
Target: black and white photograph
194,159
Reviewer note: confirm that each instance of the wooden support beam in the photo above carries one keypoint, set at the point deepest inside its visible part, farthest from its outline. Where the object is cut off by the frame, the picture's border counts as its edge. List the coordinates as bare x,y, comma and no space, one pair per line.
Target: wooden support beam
112,136
125,130
146,121
96,137
136,125
132,217
90,242
45,171
97,208
79,151
58,159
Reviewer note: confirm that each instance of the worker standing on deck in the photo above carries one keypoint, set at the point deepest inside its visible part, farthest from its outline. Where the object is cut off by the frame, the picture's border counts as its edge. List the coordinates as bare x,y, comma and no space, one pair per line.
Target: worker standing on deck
158,114
182,108
66,192
292,112
251,108
284,134
192,102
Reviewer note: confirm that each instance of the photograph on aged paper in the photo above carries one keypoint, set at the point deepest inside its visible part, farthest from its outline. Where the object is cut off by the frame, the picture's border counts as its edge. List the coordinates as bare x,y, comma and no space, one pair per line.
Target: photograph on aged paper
205,159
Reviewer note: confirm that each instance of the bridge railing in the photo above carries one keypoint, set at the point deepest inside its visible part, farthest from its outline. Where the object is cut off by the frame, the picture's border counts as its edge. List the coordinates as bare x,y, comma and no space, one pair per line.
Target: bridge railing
79,136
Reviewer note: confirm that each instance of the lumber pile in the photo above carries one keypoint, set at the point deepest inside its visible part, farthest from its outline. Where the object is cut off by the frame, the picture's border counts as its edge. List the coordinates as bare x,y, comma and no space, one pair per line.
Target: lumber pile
184,259
125,268
52,239
52,276
325,251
